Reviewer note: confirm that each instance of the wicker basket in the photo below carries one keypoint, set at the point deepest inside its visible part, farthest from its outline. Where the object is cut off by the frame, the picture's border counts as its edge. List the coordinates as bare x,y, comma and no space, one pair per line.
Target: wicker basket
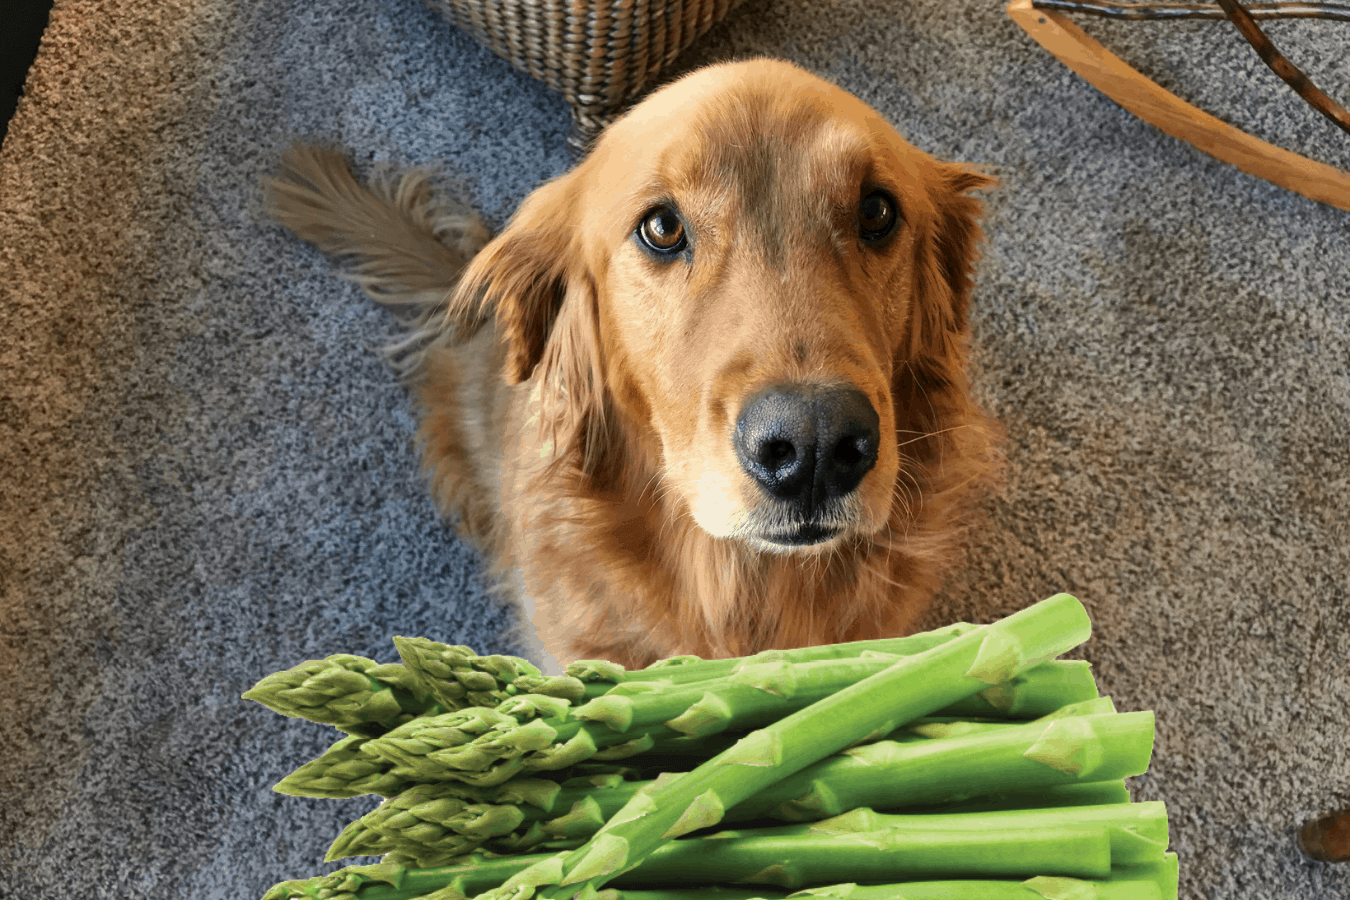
599,54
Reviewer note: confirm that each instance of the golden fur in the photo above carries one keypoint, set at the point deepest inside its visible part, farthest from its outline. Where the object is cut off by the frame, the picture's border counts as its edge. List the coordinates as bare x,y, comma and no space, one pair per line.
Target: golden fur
578,397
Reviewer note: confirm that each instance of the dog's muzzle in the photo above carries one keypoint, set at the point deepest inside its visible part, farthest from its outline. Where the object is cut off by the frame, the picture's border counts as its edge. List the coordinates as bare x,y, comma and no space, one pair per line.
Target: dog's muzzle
807,446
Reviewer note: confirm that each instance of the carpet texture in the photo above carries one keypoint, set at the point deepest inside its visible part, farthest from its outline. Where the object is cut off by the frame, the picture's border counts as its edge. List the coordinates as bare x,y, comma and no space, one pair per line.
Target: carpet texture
207,474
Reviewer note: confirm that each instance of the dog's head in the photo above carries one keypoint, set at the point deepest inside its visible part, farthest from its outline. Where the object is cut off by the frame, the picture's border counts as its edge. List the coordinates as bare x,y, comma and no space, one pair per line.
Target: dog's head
756,275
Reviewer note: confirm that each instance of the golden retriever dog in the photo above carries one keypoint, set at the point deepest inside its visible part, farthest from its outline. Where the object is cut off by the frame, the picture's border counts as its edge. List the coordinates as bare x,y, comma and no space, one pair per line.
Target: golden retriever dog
705,393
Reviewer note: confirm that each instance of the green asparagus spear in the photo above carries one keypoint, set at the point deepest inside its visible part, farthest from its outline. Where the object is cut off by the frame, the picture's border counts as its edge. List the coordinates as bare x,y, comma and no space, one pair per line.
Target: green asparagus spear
429,820
600,676
352,693
1137,831
412,823
913,687
1036,692
752,696
755,695
428,750
1092,793
366,698
457,677
342,771
408,753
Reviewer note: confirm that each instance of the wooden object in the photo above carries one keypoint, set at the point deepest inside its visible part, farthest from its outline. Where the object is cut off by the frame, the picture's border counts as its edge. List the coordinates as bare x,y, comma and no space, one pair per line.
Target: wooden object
1288,72
1163,109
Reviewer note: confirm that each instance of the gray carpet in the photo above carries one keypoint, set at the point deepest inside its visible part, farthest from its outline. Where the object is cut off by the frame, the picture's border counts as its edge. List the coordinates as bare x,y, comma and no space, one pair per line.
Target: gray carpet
206,473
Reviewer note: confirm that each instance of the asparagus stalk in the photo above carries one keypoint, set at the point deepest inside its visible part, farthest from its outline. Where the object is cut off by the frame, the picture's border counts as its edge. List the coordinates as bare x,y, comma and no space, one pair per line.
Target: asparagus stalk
1036,692
752,696
376,833
457,677
342,771
416,753
1092,793
1156,881
433,821
757,694
352,693
913,687
430,825
680,755
601,675
362,697
1137,831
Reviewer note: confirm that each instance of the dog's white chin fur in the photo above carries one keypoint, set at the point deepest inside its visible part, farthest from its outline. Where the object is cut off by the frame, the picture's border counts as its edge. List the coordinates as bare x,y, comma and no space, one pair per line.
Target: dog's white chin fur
821,548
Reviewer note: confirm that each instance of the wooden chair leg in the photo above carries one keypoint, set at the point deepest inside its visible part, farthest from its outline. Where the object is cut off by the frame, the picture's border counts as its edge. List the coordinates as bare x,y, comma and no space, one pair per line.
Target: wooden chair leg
1140,95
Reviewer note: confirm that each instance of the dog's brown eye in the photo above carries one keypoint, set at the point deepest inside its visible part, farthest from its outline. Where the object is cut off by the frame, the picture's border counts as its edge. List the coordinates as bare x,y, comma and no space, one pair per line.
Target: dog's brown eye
662,231
876,215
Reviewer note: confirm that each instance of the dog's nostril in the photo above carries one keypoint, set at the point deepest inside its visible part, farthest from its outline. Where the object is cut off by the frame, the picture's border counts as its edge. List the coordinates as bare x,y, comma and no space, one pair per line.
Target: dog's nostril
776,453
848,453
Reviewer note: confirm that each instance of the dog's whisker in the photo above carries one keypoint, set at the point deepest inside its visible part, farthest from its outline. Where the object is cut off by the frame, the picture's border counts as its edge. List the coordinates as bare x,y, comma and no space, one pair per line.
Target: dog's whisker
930,434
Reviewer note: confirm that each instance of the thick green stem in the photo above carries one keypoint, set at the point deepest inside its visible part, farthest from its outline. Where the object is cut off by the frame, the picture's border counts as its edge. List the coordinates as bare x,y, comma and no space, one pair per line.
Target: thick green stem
1038,691
601,676
758,694
1137,831
1096,793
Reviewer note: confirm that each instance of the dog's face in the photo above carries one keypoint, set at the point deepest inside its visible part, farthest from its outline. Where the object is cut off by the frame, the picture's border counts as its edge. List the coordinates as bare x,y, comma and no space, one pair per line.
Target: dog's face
763,257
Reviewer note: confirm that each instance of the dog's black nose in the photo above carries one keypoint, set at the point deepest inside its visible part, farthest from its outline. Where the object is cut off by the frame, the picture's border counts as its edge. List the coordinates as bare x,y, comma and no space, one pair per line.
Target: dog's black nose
807,444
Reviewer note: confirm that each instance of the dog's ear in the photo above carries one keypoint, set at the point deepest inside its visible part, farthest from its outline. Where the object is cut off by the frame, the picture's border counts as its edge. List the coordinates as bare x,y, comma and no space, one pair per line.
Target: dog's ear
534,281
945,259
522,276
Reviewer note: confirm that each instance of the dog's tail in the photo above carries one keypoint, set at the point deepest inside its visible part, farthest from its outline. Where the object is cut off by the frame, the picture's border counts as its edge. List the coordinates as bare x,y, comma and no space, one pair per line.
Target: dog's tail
407,248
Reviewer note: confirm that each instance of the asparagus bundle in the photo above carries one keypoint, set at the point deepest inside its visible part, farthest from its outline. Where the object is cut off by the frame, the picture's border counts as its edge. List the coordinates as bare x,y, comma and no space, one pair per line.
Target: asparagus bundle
974,726
905,770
